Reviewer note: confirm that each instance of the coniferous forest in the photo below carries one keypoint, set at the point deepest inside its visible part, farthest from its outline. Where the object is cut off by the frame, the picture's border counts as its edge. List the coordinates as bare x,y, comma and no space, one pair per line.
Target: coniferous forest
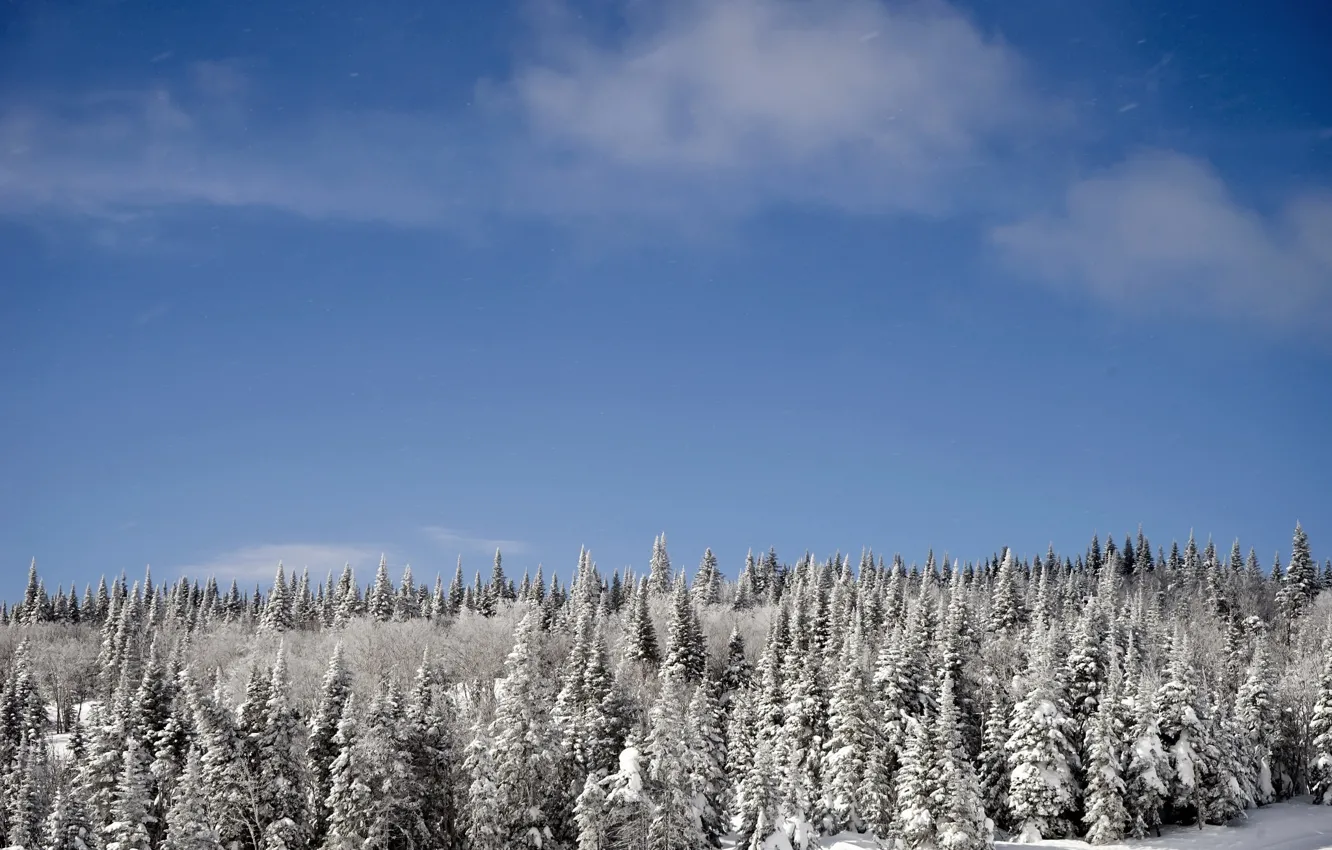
1101,695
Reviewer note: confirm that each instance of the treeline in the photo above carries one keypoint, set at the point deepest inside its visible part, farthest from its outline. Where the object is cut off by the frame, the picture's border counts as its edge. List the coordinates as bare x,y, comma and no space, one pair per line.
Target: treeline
1095,696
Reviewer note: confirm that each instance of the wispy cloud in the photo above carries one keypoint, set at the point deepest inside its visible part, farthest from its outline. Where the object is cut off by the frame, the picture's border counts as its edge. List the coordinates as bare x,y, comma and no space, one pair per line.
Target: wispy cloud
847,103
1163,230
461,541
259,563
720,106
113,155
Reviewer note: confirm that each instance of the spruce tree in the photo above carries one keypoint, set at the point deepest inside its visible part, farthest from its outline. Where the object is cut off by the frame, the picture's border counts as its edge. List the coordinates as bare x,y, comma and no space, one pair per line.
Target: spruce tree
959,812
188,825
68,827
380,602
282,803
322,749
1320,730
131,821
1041,756
660,579
1106,815
523,743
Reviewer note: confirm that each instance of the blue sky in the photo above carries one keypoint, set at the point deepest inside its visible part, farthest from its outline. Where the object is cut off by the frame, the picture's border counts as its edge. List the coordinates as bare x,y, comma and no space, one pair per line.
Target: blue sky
316,281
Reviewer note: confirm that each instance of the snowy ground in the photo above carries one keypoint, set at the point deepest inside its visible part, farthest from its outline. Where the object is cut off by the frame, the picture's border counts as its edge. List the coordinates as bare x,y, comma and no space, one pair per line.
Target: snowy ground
1293,825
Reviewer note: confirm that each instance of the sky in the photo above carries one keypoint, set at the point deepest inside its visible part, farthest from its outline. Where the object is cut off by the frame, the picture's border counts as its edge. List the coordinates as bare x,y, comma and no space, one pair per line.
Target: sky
316,281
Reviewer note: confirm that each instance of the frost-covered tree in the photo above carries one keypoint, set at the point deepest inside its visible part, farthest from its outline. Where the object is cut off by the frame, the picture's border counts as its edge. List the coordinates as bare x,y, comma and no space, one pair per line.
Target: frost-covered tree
1106,814
188,825
281,801
850,740
959,811
68,827
660,579
523,743
130,818
1146,768
380,602
1320,730
321,748
1041,755
1183,735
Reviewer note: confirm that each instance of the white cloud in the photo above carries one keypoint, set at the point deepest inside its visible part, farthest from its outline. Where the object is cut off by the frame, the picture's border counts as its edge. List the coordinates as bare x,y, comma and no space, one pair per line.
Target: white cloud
721,105
259,563
113,155
1163,229
849,103
456,540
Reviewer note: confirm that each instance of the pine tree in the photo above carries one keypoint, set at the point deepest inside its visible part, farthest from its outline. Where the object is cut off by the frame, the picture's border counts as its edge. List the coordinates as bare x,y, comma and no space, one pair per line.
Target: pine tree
321,749
959,813
282,803
23,815
590,816
1320,730
994,760
431,758
68,827
188,825
676,822
1005,612
1147,769
1041,756
1257,716
641,640
380,602
706,763
524,766
349,796
685,655
1106,814
918,785
850,741
131,821
707,581
277,615
660,579
629,811
1300,583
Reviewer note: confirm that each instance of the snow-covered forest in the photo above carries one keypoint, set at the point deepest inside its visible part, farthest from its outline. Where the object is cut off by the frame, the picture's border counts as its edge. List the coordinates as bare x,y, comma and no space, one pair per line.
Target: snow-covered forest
945,705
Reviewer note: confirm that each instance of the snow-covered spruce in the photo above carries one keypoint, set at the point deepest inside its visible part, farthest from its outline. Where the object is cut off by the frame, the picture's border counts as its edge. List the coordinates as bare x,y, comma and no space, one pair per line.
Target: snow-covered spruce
1123,691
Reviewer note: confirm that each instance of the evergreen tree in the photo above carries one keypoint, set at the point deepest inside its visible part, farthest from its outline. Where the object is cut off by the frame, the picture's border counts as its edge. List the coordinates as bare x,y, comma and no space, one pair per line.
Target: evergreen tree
660,579
68,827
131,821
278,611
322,749
590,816
524,766
629,812
188,825
1147,769
850,741
1320,730
282,803
677,817
959,813
1041,756
641,638
1106,813
380,602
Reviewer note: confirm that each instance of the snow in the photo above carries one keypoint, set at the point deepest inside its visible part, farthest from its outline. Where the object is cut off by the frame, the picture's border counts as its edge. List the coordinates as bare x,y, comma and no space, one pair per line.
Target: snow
1292,825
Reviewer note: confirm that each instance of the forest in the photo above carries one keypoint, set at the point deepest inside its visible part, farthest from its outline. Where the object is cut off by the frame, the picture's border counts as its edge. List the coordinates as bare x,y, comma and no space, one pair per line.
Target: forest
935,705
